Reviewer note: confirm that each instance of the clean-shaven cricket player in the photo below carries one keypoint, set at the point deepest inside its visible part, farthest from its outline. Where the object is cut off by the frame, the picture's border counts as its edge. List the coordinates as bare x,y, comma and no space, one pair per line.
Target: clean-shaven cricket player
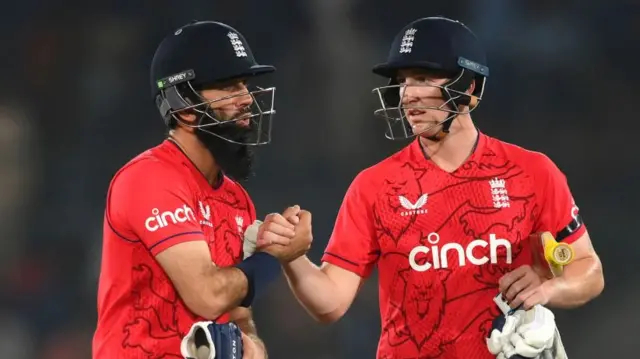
446,218
173,249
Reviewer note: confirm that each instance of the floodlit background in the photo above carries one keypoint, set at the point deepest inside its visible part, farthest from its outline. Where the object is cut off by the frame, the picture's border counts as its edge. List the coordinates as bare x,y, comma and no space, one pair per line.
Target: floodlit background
75,106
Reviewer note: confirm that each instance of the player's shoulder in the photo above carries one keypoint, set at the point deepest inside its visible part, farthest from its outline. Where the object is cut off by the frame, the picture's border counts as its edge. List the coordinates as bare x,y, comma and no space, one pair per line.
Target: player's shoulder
374,175
153,165
525,158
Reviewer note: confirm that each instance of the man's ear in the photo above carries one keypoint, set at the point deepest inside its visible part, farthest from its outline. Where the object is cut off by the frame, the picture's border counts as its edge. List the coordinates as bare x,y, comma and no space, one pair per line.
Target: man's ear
186,116
186,120
473,100
472,87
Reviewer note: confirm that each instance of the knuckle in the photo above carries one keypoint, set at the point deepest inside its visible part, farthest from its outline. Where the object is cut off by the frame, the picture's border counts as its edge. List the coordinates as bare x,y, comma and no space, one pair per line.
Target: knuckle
268,228
274,237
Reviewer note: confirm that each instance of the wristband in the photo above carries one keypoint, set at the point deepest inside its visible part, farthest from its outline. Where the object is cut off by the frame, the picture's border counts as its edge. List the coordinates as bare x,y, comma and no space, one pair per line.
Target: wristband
260,269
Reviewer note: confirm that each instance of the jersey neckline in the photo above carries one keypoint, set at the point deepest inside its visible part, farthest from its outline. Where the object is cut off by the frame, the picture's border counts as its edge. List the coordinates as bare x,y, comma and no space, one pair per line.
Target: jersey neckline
173,146
418,153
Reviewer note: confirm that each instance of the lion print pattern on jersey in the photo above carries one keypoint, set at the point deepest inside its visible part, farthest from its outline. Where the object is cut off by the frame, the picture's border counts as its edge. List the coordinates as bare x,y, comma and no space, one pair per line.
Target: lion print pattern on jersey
420,302
160,315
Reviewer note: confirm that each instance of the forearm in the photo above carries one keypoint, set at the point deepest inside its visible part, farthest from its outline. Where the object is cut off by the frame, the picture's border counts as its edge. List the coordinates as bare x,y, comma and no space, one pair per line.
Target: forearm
222,290
230,287
315,291
581,281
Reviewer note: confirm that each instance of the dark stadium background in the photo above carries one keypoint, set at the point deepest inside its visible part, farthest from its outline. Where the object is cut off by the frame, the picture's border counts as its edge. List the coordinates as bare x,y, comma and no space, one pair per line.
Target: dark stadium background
75,106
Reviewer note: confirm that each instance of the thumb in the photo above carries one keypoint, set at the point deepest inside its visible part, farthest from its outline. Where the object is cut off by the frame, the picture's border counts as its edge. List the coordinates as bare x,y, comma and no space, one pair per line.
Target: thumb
292,211
305,218
248,346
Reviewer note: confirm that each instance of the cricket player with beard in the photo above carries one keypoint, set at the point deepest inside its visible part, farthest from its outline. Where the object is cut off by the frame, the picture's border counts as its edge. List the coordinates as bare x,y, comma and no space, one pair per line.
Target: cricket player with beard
175,265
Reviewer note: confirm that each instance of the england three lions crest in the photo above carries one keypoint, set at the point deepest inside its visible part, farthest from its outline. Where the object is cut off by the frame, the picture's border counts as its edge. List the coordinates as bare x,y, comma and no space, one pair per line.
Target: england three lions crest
499,193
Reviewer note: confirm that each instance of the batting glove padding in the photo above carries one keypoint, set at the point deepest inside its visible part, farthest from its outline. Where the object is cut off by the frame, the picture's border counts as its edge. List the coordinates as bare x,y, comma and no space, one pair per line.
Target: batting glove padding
209,340
526,334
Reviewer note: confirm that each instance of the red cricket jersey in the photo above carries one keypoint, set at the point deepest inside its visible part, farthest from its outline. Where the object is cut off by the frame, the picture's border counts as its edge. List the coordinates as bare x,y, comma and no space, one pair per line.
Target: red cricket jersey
159,199
441,241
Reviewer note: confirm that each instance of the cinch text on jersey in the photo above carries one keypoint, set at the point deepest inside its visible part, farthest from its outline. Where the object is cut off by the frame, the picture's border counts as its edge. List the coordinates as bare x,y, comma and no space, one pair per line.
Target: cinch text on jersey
161,220
439,255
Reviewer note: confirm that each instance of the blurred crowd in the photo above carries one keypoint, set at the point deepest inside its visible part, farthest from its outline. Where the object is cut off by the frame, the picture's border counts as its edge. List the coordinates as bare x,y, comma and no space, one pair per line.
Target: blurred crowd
75,105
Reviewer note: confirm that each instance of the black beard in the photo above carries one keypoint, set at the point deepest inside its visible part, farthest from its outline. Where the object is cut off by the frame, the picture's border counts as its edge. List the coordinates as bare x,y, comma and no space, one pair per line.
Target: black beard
234,160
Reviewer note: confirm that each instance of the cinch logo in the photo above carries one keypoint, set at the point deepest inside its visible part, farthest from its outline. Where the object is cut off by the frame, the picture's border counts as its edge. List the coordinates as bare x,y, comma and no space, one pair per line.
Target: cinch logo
160,220
438,256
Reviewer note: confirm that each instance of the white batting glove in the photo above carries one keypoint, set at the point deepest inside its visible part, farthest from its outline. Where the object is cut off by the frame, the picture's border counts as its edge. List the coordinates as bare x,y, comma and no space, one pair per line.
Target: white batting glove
504,326
525,334
250,239
557,352
192,348
535,333
498,342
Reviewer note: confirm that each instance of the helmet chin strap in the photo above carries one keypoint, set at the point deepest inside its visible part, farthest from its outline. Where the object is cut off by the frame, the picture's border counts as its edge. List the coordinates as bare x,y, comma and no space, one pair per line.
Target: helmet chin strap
438,136
461,83
446,124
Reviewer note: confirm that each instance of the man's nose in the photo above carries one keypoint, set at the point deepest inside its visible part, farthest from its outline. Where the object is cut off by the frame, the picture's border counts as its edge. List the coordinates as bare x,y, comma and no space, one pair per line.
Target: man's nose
244,98
408,94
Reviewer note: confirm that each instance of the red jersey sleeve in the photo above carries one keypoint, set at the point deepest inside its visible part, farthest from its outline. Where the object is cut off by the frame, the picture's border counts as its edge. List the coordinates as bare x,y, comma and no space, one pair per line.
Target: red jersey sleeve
153,204
558,211
353,245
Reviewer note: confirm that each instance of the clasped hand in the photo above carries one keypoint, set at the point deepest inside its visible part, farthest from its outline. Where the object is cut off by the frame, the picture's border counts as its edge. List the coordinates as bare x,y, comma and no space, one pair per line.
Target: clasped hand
286,236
